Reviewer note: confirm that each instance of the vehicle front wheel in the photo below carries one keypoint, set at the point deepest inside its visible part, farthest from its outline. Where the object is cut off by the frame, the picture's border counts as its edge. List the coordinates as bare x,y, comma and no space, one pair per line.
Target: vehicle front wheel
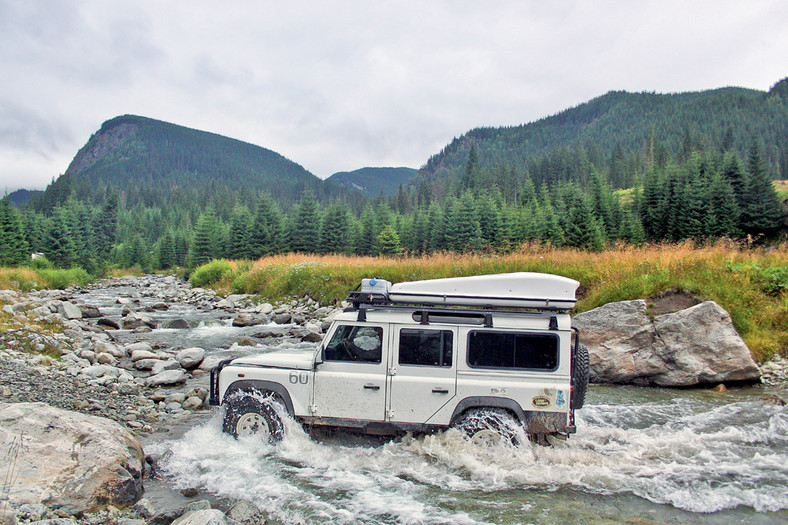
489,427
246,416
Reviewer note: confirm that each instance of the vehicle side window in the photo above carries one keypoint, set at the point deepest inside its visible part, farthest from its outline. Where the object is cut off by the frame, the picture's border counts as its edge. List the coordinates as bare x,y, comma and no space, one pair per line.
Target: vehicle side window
487,349
425,347
355,343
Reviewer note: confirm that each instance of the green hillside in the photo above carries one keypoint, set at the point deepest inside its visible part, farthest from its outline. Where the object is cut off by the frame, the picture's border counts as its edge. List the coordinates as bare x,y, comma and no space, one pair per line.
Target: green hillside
374,181
618,125
155,163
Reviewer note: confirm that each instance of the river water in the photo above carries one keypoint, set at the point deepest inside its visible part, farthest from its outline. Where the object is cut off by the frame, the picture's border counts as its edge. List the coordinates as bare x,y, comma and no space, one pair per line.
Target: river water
641,455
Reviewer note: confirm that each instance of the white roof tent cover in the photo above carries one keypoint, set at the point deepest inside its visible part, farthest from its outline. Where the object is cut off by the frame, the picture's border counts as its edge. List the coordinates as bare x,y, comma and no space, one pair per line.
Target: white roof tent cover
503,290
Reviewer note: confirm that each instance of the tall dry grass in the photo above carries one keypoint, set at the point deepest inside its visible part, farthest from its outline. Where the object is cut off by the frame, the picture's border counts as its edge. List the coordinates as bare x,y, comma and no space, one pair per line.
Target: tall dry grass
750,283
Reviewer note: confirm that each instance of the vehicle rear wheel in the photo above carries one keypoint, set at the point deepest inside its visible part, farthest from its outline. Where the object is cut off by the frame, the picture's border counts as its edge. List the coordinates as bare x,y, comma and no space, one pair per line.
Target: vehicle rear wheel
489,427
246,416
580,371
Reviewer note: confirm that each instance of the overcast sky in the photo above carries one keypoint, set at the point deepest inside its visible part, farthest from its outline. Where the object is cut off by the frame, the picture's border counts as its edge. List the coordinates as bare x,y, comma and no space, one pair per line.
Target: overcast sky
336,86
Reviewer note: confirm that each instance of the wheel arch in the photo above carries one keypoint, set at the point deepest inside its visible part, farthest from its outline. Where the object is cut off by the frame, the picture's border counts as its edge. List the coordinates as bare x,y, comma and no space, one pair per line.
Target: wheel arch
507,404
250,385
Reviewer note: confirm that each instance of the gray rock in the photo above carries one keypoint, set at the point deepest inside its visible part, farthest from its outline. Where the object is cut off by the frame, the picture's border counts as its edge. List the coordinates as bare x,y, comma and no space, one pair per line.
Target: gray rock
179,324
7,514
138,355
137,320
104,347
89,312
246,514
146,364
202,517
167,377
283,318
69,310
106,359
192,403
194,506
694,346
311,337
162,365
209,362
264,308
248,320
71,459
245,341
190,357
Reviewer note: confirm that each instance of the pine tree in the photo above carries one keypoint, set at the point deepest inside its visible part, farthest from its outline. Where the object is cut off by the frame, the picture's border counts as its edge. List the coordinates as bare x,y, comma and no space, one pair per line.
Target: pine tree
723,210
13,246
59,246
306,227
267,231
166,251
335,229
761,213
240,235
204,245
388,242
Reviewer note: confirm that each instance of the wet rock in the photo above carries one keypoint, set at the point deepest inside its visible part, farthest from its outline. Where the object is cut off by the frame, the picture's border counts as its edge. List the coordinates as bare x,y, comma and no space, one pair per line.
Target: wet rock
245,513
71,459
69,310
721,388
89,312
245,341
248,320
283,318
179,324
137,320
190,357
311,337
108,324
264,334
209,362
167,377
192,403
144,508
694,346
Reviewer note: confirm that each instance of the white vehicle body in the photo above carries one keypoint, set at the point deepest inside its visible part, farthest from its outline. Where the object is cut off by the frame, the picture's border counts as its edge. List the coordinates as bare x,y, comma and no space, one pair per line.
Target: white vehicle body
384,368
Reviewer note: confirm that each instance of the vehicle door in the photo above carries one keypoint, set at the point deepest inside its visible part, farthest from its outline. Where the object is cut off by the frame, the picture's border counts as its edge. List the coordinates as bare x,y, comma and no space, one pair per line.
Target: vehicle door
350,383
423,371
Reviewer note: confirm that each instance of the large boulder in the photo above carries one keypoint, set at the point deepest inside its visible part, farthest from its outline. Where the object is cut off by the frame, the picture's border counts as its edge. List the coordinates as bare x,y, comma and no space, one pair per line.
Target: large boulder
694,346
69,459
166,378
190,357
69,310
138,320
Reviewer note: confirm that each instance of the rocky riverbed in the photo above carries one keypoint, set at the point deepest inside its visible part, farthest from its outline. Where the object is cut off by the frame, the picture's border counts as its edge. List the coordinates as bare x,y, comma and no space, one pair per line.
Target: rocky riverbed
91,353
131,350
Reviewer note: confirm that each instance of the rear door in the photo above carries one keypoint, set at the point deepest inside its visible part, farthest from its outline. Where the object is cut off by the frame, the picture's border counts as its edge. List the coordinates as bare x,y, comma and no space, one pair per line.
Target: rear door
422,371
350,383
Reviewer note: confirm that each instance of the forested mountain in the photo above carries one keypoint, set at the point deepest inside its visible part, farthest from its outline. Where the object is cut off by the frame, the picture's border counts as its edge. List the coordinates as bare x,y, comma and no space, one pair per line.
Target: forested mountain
613,131
374,181
21,197
621,168
157,164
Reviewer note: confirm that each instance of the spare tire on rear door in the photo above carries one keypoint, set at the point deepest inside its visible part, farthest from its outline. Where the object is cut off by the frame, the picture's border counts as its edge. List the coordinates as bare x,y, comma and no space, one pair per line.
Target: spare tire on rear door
580,371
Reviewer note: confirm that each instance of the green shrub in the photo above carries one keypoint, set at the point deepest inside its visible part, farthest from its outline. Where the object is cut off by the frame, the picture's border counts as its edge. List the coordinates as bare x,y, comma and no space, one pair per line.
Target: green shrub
59,279
41,263
210,273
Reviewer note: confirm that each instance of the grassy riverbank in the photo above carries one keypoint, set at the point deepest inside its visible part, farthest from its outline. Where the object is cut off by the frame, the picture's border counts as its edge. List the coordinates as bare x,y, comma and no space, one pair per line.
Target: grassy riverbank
25,279
751,284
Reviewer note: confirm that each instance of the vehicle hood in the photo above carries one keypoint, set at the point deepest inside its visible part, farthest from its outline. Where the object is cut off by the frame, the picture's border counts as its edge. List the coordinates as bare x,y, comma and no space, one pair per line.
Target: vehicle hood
297,360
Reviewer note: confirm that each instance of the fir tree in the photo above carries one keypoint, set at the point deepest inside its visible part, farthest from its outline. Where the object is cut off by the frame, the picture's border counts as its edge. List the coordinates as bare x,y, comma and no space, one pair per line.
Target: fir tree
13,246
761,212
306,227
388,242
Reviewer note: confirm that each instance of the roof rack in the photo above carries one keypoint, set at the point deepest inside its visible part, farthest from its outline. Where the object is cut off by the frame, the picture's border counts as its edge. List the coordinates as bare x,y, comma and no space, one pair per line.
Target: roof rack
521,290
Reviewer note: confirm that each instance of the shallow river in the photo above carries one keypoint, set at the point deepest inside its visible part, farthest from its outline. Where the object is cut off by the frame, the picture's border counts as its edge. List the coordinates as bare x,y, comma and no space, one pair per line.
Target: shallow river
641,455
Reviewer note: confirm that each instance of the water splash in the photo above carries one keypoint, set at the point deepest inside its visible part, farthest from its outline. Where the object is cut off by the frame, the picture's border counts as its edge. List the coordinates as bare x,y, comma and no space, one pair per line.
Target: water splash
684,454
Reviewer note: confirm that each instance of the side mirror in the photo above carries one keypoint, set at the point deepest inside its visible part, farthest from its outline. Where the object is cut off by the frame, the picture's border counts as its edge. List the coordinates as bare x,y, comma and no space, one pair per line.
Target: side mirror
319,357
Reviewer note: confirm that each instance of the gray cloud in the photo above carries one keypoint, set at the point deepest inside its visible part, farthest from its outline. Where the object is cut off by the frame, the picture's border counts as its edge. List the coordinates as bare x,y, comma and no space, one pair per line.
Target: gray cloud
336,85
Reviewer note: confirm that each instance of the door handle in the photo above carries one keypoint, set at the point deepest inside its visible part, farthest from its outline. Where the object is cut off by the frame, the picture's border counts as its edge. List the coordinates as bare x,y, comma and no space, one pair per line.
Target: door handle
372,387
440,391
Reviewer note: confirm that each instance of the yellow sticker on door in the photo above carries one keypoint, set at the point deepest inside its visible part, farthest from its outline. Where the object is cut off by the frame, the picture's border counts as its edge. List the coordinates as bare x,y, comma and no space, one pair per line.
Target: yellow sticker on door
541,402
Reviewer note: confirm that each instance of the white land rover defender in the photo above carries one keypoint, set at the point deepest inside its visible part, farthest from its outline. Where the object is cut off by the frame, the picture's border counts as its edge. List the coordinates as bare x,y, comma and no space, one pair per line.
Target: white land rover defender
480,353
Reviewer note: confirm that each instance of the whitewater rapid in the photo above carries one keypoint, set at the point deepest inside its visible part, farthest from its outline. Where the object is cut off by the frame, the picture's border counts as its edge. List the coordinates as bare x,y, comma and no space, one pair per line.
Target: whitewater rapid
665,455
